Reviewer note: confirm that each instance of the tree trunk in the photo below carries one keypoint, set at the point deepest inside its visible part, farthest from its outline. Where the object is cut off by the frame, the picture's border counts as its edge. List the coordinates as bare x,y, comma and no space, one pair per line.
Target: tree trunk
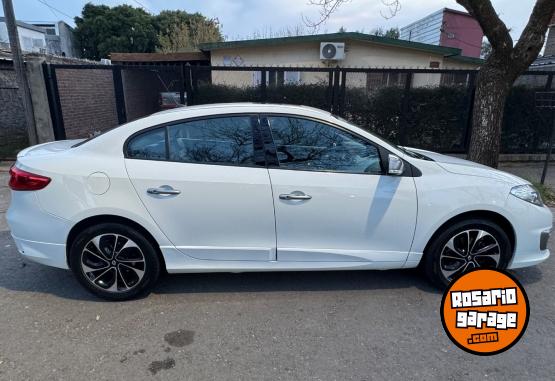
492,90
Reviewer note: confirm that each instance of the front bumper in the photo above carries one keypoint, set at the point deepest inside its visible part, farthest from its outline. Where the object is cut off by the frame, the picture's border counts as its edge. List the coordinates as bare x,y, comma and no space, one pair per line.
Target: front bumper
531,224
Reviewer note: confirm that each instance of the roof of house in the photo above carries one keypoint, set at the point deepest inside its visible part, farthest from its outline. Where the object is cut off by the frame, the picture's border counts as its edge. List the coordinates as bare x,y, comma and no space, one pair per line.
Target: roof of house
331,37
466,59
22,24
542,62
159,57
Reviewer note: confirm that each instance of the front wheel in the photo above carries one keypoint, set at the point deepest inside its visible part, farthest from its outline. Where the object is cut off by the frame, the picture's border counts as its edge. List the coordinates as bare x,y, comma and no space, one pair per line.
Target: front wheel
114,261
465,246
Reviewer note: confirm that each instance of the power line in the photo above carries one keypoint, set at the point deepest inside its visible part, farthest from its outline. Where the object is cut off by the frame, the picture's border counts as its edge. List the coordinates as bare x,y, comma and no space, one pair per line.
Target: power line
142,6
52,9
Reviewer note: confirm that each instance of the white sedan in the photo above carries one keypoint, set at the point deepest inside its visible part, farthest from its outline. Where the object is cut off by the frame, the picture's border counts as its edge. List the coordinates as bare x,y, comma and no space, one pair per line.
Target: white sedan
261,187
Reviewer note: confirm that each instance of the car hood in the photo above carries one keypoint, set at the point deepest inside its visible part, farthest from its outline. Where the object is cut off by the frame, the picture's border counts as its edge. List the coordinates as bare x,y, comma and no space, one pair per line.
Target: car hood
469,168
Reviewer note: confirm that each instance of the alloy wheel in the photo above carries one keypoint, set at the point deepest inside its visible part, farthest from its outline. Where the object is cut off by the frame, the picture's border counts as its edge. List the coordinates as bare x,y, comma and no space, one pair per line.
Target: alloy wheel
468,250
113,263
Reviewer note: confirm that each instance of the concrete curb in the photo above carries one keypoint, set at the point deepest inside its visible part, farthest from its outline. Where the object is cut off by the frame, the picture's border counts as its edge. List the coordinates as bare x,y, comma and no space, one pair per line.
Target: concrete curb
5,166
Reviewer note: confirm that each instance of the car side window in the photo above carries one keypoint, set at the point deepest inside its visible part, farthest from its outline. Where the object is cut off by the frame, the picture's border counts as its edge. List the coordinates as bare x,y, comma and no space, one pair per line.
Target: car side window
222,140
150,145
308,145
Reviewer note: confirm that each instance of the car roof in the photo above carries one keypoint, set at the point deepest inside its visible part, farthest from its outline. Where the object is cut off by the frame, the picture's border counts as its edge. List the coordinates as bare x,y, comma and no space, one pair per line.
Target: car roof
245,107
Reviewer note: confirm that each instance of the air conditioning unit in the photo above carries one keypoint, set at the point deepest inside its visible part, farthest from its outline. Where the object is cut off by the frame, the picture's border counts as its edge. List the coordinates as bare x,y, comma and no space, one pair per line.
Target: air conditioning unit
332,51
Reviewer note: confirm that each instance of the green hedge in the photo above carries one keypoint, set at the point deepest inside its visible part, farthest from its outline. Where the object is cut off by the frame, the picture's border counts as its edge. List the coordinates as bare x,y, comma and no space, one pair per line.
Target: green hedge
436,117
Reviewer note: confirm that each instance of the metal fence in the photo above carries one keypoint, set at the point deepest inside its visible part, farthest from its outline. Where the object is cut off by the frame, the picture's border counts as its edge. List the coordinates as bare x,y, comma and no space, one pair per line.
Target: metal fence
424,108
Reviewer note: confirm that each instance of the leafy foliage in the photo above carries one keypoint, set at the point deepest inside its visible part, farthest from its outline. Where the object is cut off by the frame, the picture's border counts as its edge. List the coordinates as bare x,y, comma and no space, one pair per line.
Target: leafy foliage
101,30
436,118
394,33
179,30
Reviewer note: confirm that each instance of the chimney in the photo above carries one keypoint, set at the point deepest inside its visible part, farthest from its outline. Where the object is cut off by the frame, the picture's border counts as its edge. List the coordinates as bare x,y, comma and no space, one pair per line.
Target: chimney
550,43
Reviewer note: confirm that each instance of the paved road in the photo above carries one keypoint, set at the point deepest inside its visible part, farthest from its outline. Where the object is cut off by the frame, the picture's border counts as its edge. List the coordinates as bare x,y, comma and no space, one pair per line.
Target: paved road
281,326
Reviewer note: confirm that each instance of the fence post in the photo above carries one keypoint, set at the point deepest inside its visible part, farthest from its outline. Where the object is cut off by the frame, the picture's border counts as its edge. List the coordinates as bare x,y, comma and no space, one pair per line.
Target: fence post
54,105
330,91
120,97
335,92
470,93
341,100
188,85
263,93
403,122
182,83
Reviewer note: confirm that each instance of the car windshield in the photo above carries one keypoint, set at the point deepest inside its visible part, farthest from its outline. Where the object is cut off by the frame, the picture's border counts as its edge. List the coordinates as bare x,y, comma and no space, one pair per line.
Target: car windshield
407,151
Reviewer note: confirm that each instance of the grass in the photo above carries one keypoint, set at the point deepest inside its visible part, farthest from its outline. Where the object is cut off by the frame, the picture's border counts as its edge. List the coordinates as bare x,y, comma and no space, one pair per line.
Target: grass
547,193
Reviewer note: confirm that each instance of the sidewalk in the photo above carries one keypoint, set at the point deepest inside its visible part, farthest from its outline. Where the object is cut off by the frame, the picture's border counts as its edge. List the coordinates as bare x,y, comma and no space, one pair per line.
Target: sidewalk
5,166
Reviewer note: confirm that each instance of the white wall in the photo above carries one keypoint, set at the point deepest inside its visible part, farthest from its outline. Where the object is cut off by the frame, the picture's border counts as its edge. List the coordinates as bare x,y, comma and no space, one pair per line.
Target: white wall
30,40
358,54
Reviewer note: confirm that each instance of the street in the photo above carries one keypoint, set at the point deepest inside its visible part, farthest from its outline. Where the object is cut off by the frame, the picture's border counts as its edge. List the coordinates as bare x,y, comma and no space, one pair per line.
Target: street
318,326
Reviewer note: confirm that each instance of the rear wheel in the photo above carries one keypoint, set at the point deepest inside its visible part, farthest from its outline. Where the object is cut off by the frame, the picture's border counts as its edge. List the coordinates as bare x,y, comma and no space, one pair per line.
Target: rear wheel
114,261
465,246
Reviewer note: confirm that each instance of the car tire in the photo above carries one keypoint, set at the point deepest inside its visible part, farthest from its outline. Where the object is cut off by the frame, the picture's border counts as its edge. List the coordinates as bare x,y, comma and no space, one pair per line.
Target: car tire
114,261
441,263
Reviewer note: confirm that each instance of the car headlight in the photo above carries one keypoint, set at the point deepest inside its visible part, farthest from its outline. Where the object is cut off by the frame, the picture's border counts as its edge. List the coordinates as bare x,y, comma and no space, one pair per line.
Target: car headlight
527,193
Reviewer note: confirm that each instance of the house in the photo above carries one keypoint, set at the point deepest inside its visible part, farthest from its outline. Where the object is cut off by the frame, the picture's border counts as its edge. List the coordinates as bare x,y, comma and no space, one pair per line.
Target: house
449,28
32,39
360,50
59,38
547,60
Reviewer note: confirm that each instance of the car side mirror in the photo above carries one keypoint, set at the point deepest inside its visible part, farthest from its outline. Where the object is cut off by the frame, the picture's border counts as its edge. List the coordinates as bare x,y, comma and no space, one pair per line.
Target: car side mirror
396,167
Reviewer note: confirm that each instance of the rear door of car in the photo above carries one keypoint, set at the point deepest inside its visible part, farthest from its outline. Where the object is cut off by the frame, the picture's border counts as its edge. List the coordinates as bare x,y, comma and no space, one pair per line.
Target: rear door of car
205,183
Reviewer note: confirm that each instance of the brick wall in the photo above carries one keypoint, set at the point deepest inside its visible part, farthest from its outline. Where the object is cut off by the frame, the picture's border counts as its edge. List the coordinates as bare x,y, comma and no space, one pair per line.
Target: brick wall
13,133
142,89
88,101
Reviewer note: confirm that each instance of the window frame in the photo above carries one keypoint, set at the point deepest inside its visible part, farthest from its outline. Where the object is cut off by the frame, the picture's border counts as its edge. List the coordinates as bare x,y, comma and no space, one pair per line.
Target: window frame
271,147
258,147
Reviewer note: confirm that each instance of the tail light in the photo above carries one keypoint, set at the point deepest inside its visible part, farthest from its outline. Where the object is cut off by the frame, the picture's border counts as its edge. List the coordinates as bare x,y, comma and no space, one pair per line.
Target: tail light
21,180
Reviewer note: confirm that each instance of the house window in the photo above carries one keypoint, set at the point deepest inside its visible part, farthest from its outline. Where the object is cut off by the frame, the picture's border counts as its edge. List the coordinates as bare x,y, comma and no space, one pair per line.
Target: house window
292,77
277,78
378,80
454,79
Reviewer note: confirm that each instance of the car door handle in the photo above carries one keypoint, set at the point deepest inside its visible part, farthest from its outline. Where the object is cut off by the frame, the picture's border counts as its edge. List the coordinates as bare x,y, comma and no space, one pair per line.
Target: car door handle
295,196
163,190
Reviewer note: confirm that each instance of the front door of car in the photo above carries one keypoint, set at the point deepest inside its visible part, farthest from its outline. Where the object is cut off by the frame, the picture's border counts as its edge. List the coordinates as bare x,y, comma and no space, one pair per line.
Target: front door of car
332,200
202,183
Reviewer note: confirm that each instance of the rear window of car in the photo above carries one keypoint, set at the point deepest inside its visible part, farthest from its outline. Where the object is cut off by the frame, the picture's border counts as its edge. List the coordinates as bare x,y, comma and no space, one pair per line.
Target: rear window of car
150,145
221,140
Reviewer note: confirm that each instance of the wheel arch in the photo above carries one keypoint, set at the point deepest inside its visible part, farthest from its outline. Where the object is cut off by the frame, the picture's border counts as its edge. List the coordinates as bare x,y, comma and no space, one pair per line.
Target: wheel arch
107,218
495,217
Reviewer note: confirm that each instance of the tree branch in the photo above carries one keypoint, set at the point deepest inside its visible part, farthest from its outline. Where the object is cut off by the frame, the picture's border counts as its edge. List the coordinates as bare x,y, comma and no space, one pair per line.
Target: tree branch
532,38
495,30
328,7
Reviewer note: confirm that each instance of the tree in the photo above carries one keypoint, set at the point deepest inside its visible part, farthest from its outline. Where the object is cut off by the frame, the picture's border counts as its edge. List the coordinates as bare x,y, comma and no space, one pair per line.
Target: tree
178,39
179,30
486,49
389,33
498,73
101,30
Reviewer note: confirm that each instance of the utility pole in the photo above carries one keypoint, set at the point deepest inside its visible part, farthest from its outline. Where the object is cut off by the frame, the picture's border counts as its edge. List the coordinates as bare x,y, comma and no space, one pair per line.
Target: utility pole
20,71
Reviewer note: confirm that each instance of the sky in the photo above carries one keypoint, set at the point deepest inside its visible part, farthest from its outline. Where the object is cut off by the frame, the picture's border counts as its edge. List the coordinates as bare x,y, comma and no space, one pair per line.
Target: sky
244,18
